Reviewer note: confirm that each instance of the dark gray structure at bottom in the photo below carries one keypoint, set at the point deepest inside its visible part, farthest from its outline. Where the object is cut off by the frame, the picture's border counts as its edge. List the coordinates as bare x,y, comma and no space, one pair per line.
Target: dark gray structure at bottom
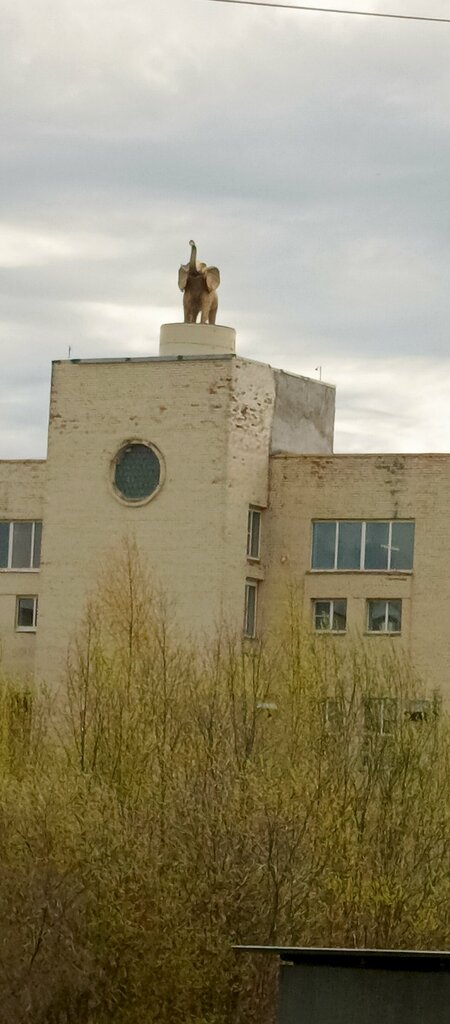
361,986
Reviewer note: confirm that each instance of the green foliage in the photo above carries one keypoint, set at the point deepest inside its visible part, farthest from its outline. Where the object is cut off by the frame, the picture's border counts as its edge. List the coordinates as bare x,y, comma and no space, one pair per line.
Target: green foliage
184,800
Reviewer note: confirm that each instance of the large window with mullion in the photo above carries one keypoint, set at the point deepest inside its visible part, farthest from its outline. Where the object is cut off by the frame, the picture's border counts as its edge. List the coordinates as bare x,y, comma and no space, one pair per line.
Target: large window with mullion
20,545
330,616
363,545
384,616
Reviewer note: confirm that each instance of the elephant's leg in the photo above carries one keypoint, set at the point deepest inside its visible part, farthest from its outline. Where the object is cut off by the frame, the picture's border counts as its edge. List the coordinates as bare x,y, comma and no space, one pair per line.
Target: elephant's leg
190,312
213,309
207,308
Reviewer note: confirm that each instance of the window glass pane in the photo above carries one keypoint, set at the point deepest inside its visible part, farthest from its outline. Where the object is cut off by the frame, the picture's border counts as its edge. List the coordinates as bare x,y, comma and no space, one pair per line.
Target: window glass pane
137,472
402,545
394,623
380,714
377,540
324,539
332,712
250,609
25,612
377,616
388,714
340,615
322,615
37,545
349,546
418,710
4,544
21,553
372,714
249,531
254,533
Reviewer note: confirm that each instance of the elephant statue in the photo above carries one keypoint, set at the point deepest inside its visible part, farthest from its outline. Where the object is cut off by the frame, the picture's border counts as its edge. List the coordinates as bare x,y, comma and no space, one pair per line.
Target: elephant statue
199,284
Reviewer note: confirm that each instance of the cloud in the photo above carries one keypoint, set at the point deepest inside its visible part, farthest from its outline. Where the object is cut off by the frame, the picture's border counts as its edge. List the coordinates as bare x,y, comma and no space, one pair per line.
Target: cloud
309,155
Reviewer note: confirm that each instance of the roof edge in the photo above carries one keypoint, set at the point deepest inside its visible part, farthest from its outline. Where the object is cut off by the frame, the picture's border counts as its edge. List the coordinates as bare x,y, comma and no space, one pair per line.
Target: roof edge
381,959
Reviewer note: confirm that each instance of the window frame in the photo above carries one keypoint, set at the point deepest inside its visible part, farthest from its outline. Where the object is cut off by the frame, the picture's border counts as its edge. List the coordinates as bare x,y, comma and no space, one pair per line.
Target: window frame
369,703
11,524
331,601
419,710
393,711
250,585
116,461
386,631
253,511
33,627
332,713
362,567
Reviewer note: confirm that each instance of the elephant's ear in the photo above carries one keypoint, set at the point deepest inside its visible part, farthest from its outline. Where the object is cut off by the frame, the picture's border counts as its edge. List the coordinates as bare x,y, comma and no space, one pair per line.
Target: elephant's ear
212,278
183,275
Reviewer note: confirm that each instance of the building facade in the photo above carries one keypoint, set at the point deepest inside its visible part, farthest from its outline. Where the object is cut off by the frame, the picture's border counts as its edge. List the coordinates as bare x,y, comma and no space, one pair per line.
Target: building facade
222,470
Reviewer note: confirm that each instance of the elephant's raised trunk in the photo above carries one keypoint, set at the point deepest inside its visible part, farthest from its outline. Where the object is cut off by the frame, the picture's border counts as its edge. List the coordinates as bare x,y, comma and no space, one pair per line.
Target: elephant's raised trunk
193,259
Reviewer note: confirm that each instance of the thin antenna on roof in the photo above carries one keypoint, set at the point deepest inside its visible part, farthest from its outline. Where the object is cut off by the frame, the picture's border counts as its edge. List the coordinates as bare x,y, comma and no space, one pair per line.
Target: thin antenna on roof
69,352
319,368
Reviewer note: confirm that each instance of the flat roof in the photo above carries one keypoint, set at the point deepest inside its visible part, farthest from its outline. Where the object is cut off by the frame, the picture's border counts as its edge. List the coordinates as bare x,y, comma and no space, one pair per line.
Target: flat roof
151,359
192,357
335,456
381,959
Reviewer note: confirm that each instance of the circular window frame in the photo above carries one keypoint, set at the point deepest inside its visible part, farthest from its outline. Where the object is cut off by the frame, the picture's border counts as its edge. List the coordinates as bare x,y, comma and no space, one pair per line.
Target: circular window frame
119,496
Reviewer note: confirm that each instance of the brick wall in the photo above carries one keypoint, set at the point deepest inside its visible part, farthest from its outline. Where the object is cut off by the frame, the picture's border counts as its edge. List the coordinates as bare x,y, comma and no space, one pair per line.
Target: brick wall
22,490
304,488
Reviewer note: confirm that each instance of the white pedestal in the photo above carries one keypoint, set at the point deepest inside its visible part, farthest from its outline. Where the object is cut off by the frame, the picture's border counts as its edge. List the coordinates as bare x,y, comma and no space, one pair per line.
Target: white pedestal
196,340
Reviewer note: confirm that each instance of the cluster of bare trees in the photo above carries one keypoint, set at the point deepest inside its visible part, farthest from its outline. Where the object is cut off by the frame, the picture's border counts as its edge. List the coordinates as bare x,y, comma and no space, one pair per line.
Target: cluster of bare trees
177,801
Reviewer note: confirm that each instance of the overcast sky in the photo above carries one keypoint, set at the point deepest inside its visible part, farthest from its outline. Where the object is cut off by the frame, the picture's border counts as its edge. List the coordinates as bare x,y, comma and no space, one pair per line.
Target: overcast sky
308,155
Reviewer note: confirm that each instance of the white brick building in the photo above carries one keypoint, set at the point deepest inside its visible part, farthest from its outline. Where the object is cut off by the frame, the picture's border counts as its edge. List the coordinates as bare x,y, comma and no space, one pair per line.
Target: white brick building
222,469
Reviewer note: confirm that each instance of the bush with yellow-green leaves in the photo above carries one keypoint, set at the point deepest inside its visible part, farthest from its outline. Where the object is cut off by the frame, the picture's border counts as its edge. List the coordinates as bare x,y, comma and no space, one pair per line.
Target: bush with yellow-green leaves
177,801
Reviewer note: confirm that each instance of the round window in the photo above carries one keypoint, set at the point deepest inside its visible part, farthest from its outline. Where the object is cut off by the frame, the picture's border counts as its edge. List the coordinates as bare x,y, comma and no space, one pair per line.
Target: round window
137,472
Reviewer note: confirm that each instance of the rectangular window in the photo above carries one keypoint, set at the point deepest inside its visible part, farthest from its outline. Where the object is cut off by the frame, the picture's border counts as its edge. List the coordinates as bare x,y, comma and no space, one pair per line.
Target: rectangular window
20,545
330,616
380,715
19,714
384,616
26,614
254,534
419,710
251,596
365,546
332,714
